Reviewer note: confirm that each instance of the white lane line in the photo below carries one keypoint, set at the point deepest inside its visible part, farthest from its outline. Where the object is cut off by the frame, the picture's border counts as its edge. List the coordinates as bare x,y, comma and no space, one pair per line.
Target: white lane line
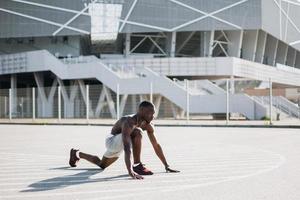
30,155
122,196
193,160
26,176
66,178
108,185
6,181
161,189
226,155
219,156
112,191
16,171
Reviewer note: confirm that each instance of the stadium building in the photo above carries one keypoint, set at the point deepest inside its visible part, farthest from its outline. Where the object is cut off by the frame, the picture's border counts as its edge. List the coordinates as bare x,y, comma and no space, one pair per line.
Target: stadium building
99,58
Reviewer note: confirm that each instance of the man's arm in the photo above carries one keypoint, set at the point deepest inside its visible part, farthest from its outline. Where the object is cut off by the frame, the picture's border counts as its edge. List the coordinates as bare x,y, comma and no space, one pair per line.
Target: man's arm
157,148
127,128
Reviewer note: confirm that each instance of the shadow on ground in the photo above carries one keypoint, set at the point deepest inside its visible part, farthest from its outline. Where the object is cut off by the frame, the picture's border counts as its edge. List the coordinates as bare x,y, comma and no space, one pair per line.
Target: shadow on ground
70,180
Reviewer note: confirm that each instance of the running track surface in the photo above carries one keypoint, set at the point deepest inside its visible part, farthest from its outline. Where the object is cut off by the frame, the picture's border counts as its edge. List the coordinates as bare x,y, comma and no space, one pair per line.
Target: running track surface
215,163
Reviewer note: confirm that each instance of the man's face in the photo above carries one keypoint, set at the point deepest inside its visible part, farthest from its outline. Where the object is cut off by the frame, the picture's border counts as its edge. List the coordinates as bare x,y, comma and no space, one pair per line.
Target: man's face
148,114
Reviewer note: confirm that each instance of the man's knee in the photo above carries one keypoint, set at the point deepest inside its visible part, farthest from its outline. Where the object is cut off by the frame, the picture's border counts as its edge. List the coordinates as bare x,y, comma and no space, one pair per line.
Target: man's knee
96,160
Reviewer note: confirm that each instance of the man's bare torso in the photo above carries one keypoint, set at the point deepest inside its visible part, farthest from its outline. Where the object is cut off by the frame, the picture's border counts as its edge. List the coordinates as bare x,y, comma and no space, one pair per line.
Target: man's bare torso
117,127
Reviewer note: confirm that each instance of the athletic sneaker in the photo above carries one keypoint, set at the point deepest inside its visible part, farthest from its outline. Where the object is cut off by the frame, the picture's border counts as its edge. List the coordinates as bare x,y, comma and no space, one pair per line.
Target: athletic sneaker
141,170
73,158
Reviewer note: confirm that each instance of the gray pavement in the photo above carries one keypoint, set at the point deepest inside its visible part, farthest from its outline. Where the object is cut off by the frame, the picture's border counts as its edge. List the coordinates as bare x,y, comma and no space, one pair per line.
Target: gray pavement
215,163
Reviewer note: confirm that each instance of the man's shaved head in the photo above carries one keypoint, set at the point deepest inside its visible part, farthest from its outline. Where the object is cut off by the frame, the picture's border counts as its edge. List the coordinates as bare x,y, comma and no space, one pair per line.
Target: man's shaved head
146,104
146,111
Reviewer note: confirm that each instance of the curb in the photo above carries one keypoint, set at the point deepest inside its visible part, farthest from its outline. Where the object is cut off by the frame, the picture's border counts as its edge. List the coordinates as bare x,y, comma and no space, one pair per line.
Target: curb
158,125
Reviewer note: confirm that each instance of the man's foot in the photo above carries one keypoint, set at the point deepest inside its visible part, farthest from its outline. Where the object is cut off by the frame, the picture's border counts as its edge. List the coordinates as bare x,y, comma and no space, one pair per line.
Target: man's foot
141,170
73,158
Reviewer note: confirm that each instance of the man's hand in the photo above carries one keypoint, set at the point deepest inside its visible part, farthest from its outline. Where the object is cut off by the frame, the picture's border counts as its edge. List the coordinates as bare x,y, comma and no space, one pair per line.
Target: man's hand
135,175
168,169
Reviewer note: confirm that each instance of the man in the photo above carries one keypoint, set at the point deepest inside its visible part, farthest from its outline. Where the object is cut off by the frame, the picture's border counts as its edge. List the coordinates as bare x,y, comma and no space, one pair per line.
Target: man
126,133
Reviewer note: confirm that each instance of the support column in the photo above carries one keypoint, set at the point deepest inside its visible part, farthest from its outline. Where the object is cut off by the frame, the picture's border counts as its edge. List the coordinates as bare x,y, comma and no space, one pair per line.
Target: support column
151,92
27,100
157,104
69,102
187,100
232,85
13,86
227,102
203,44
133,103
59,102
122,104
127,44
171,44
271,100
84,90
206,41
33,103
118,101
87,97
211,43
111,103
9,104
45,104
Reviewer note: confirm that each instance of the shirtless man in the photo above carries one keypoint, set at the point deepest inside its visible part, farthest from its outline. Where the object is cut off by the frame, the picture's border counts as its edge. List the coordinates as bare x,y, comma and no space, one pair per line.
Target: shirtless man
126,133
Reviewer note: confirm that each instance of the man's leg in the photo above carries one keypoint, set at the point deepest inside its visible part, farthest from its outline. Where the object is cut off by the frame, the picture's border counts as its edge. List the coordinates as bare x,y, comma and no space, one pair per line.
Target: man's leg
136,139
105,162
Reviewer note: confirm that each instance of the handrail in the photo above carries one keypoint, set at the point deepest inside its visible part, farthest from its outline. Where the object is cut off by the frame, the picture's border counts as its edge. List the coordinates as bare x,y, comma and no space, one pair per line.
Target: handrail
281,103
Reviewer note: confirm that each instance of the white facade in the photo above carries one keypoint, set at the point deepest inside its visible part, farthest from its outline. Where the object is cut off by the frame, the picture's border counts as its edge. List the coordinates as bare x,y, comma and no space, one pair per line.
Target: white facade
147,48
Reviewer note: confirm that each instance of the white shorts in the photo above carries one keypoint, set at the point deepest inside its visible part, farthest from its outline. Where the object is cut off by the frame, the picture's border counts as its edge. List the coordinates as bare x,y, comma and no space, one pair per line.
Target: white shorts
114,146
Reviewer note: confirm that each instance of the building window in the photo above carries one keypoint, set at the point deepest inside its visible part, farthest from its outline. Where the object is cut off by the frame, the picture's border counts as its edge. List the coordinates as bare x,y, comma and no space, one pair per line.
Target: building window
53,40
65,39
105,21
31,40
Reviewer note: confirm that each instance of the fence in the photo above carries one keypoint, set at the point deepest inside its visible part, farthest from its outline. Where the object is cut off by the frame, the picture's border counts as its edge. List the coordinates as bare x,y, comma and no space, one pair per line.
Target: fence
78,101
75,102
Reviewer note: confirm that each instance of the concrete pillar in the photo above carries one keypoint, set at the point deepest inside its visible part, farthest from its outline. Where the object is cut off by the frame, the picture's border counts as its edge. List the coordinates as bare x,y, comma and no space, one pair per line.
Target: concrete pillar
45,103
133,103
171,44
69,102
27,100
232,85
13,86
127,44
211,43
204,43
227,102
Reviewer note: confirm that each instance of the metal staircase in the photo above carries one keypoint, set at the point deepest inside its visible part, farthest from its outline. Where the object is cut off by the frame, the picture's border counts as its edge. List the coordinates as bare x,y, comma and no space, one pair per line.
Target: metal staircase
138,80
281,105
